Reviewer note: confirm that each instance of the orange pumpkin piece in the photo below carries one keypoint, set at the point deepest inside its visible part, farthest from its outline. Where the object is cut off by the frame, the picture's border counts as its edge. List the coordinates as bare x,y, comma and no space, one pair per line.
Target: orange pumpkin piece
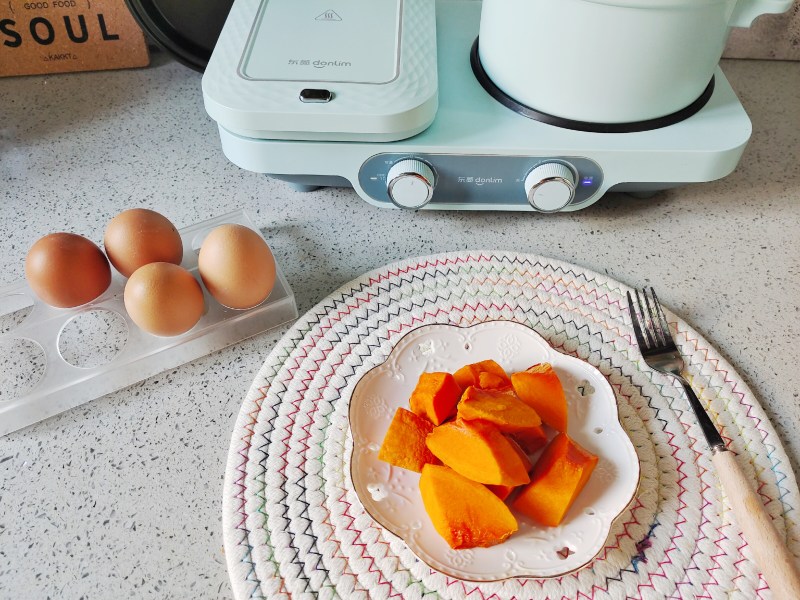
478,451
501,491
540,388
465,513
523,456
435,397
558,477
505,411
404,442
470,374
492,381
504,491
530,440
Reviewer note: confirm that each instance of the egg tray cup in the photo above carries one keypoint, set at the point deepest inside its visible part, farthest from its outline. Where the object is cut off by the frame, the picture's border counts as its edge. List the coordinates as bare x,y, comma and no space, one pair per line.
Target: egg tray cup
54,359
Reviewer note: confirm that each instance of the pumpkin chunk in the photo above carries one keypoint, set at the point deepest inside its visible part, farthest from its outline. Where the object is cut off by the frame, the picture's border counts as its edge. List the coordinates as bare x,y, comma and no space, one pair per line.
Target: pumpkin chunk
492,381
435,397
523,456
504,491
505,411
530,440
404,443
470,374
558,477
540,388
478,451
465,513
501,491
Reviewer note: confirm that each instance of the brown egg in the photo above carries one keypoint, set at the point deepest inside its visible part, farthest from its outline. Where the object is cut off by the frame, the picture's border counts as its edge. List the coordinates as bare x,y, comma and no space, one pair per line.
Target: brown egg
140,236
237,266
164,299
66,270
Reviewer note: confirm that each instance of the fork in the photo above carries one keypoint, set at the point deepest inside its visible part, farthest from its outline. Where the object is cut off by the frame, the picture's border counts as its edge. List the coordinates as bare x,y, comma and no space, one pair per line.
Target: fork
658,349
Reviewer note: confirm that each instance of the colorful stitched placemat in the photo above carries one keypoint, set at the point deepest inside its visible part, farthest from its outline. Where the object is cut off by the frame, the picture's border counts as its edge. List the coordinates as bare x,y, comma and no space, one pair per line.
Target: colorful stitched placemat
294,527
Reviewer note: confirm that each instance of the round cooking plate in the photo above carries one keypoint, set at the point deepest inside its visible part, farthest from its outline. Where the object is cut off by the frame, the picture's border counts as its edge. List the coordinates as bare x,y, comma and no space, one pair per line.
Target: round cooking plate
188,30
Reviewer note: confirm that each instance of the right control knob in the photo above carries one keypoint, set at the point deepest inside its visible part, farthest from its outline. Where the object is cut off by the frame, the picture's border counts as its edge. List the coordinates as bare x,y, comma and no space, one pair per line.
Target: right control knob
550,187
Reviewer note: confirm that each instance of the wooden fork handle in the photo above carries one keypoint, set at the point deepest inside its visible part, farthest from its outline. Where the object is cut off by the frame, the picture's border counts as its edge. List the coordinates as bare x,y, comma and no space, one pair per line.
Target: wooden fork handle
775,560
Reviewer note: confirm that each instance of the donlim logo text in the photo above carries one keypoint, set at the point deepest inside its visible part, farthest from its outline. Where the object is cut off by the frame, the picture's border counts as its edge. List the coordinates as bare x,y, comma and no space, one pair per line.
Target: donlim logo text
319,64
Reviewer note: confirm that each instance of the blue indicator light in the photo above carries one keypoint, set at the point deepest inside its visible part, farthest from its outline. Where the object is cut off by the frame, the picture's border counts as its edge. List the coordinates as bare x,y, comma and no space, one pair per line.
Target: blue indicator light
589,180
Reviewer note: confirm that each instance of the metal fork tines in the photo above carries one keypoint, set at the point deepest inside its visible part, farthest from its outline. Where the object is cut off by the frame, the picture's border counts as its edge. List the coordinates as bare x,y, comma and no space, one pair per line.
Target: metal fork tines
660,353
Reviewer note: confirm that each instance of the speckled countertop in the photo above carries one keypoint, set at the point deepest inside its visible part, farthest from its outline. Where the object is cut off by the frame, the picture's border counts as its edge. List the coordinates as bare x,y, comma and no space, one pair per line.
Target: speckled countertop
121,497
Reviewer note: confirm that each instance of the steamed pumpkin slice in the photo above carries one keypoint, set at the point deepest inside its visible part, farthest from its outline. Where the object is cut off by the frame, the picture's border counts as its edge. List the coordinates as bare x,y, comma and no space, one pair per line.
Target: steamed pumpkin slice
465,513
435,397
530,440
470,375
523,456
504,491
505,411
501,491
478,451
493,381
540,388
558,477
404,442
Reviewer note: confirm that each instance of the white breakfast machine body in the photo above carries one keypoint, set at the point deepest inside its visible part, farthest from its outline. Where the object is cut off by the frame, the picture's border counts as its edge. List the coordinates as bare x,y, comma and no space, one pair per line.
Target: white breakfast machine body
419,108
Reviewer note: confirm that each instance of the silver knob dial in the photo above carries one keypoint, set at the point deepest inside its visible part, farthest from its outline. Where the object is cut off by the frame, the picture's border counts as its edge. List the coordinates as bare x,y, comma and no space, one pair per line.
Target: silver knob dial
410,183
550,187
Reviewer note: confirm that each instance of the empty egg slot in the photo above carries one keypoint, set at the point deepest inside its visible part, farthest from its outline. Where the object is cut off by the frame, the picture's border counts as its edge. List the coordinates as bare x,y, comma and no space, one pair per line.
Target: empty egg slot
92,338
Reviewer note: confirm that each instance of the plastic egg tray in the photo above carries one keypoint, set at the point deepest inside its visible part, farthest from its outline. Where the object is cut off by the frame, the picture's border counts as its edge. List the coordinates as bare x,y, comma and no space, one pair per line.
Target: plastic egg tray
54,359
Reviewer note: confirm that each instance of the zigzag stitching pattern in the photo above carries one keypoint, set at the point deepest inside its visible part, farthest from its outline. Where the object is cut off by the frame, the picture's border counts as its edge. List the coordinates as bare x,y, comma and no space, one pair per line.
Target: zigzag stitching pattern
734,384
296,406
240,485
285,505
617,304
275,385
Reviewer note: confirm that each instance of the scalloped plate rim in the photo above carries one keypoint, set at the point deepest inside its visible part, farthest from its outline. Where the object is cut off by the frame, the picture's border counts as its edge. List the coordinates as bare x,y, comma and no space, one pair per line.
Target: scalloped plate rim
418,551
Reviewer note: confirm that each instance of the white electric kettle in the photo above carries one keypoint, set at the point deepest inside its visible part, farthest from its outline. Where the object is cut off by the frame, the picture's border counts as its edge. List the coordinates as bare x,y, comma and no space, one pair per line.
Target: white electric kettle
609,61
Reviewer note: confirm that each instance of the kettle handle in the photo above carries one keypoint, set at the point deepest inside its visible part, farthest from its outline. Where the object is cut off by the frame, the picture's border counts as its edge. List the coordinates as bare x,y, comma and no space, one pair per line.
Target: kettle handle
746,11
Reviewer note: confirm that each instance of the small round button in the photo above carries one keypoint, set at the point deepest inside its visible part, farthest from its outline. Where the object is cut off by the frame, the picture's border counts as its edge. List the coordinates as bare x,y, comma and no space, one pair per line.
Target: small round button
550,187
410,183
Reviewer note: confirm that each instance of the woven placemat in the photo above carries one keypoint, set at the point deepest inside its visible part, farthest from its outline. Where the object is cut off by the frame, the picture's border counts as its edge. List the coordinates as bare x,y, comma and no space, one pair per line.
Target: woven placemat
294,527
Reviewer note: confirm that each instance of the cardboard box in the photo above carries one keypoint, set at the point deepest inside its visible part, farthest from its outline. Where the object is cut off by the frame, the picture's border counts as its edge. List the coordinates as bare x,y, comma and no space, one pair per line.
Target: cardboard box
59,36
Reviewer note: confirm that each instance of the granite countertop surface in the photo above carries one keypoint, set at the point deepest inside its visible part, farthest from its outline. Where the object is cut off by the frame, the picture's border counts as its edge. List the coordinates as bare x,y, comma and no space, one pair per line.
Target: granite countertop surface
121,497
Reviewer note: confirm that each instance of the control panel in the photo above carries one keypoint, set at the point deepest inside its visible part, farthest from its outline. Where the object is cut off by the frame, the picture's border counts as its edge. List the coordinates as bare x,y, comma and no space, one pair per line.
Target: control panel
547,184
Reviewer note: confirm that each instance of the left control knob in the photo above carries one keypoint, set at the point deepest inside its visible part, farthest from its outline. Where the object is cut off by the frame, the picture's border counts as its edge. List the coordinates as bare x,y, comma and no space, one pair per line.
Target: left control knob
410,183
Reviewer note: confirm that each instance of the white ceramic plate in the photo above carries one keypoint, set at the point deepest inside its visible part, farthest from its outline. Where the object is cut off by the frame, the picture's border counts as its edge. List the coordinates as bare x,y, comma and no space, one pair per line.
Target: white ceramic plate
391,494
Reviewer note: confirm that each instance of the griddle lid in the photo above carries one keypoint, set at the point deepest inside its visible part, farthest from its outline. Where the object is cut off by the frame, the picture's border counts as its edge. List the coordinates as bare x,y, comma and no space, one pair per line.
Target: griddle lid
187,30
